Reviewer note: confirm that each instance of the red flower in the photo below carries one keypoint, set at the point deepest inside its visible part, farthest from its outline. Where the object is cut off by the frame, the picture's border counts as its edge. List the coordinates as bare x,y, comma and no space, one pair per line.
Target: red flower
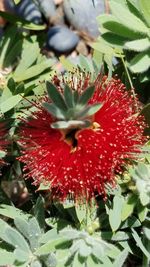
81,161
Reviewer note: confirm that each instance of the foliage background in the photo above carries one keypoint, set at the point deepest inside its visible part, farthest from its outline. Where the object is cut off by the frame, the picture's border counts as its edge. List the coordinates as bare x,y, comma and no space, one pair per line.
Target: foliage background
34,231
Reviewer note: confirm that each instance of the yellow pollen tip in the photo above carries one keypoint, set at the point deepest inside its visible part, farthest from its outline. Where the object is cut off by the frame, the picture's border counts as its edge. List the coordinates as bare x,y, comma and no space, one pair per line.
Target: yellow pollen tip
95,126
73,150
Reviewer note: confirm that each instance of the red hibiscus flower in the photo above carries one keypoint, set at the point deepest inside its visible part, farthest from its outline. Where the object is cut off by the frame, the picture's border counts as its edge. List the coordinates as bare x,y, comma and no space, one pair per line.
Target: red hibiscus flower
77,140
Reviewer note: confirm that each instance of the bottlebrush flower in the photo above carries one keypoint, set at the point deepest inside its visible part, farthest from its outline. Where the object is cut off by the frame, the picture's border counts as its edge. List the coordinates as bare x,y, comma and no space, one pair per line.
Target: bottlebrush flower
77,140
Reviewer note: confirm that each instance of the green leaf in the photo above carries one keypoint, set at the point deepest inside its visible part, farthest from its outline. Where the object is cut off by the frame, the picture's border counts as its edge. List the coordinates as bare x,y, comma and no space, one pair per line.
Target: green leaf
133,22
13,53
54,111
14,238
72,124
77,262
20,255
89,111
10,103
92,263
86,95
81,212
131,221
33,71
68,95
49,235
6,258
11,85
21,22
75,97
17,1
26,59
39,212
102,46
142,212
20,89
22,225
84,249
115,213
138,45
67,64
121,258
128,206
146,232
12,212
112,24
140,244
55,96
36,263
113,40
140,62
145,8
144,198
34,233
48,247
85,64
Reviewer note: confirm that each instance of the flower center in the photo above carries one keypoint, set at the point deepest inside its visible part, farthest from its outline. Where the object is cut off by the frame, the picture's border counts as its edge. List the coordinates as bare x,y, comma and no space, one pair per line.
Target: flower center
70,137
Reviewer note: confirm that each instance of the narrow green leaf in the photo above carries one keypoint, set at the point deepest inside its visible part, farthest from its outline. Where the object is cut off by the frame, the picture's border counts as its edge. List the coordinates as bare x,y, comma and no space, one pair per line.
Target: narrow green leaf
21,22
115,213
77,262
147,232
36,263
34,233
84,249
21,256
11,85
142,212
48,247
10,103
22,225
90,262
55,96
112,24
20,89
81,212
145,8
133,22
138,45
86,95
72,124
14,238
121,258
102,46
140,244
13,53
140,62
12,212
33,71
67,64
85,64
26,60
75,97
54,111
6,258
39,212
89,111
49,235
128,206
68,95
17,1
